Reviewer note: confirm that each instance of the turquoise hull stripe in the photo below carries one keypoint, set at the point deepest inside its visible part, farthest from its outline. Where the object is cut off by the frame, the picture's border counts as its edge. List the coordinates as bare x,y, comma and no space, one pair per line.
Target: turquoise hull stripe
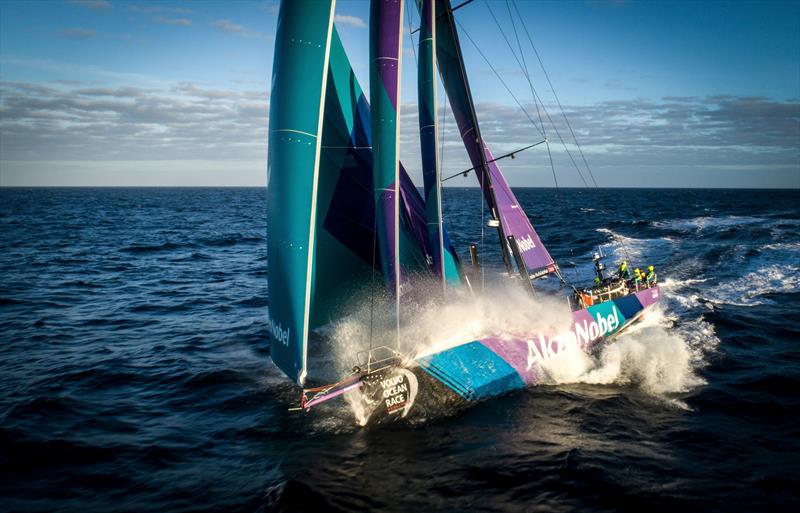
449,381
480,371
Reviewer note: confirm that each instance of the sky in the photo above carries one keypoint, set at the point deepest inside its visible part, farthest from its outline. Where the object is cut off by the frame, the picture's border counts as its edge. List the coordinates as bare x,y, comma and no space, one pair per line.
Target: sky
658,94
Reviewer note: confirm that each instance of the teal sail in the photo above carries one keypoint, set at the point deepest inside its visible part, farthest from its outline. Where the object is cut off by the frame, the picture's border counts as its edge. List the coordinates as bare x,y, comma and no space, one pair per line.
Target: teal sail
315,275
346,194
444,262
299,79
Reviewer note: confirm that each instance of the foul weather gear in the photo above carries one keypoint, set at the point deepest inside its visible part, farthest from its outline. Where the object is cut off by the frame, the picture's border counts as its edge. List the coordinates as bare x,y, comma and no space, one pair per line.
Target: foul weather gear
624,270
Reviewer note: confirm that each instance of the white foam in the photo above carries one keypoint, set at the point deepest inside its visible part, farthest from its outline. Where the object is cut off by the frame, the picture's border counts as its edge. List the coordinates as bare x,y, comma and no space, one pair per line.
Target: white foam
631,248
503,308
659,361
705,222
748,290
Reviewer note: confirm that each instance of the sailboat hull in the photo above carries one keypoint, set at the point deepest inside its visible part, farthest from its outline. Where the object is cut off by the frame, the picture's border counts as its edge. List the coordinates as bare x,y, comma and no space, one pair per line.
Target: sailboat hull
491,366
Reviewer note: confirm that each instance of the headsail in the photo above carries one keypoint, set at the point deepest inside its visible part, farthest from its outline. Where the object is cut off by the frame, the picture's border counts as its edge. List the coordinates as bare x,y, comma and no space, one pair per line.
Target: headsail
497,193
385,48
444,263
302,47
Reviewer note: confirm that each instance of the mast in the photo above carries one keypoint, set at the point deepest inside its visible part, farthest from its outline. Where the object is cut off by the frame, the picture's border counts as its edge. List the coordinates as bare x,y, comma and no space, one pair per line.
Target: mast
385,51
473,128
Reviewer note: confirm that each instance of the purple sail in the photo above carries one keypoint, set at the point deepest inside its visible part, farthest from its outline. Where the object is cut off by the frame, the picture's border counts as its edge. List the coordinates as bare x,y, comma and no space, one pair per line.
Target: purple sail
515,221
498,195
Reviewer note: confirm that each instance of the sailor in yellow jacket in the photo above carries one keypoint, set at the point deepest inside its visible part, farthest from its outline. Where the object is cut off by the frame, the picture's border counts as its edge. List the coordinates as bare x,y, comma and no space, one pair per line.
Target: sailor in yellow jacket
651,276
637,278
624,270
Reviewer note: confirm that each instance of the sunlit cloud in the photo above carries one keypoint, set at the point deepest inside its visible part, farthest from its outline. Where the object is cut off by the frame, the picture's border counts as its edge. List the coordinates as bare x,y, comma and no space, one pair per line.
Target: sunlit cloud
77,33
95,5
230,27
350,21
173,21
156,9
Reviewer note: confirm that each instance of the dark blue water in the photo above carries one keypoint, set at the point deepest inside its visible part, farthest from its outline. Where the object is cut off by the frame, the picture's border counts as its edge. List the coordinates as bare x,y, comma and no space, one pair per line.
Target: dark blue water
135,371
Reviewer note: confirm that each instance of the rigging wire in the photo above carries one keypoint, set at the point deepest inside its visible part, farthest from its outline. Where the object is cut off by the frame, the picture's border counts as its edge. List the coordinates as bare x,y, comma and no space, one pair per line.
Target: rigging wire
488,62
527,74
555,95
516,100
525,67
563,113
535,96
533,92
409,13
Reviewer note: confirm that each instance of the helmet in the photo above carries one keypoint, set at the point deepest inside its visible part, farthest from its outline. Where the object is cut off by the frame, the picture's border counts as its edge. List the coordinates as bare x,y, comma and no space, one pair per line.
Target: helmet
650,268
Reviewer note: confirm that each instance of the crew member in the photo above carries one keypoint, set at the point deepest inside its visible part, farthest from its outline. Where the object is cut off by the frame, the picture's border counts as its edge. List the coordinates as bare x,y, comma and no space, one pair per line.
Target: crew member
637,278
651,276
624,271
598,267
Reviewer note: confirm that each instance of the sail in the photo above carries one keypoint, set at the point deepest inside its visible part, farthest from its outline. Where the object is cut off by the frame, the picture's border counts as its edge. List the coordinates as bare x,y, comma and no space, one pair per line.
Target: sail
347,206
444,263
298,88
385,47
498,195
346,219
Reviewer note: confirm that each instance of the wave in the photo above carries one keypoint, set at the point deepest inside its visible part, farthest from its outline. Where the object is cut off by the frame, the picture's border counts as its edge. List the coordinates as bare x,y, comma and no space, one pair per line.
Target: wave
706,222
750,289
632,248
231,239
146,248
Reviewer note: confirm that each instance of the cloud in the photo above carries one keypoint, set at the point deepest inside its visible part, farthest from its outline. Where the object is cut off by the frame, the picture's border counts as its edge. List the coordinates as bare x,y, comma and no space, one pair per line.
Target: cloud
185,121
623,141
752,135
156,9
95,5
350,21
271,6
230,27
77,33
173,21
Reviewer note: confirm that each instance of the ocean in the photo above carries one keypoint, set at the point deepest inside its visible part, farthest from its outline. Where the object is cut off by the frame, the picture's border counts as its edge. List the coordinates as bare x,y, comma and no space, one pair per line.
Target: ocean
135,369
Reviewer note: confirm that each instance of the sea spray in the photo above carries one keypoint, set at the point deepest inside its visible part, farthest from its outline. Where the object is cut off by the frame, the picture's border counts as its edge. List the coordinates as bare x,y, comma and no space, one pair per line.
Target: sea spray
437,325
650,356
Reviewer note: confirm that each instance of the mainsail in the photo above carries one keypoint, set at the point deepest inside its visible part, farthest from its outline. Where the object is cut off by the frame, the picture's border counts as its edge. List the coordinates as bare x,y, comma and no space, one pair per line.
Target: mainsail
295,127
502,203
